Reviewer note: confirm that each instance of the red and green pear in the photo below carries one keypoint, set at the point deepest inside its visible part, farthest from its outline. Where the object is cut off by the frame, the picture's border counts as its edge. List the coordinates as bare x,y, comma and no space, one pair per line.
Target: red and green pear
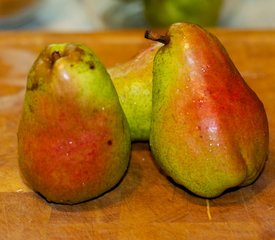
73,137
209,129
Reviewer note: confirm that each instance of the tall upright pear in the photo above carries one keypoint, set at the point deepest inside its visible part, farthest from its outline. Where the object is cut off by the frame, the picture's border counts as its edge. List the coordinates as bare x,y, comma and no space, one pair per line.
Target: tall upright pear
133,83
73,137
209,129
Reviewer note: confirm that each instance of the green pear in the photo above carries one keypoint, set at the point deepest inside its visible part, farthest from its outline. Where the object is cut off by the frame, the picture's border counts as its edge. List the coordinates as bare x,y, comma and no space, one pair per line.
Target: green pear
133,83
202,12
209,129
73,137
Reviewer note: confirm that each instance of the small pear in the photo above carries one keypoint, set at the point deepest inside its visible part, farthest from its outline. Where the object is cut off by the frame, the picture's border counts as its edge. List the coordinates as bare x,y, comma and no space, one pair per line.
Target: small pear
73,137
209,129
133,83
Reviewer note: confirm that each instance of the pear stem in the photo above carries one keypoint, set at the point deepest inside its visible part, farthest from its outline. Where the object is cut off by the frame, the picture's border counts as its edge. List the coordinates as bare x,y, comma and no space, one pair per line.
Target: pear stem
55,56
149,34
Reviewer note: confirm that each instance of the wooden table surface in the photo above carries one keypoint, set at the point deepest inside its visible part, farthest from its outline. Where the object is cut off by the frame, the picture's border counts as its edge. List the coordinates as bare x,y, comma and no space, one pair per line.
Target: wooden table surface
145,205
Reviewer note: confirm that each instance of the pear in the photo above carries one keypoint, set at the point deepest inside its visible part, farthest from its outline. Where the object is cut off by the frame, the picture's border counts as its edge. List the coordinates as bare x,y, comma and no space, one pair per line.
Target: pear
203,12
133,83
209,130
73,137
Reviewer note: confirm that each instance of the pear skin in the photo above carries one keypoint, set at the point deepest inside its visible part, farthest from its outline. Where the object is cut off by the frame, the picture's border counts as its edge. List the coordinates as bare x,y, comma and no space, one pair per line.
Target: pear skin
209,130
73,137
133,83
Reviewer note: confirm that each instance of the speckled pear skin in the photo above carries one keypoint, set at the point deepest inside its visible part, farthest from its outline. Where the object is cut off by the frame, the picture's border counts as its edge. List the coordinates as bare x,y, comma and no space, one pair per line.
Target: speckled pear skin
209,130
73,137
133,83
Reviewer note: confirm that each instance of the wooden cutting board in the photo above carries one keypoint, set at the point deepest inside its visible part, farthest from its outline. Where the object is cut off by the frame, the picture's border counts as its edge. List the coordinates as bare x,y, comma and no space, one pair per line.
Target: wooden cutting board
146,205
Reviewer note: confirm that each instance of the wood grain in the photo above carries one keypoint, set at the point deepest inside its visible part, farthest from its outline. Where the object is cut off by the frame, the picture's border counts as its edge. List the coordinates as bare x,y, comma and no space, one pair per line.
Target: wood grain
145,205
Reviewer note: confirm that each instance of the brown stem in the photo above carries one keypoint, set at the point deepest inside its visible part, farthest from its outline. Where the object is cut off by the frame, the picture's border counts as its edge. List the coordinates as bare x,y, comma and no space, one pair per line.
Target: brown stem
165,39
55,56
